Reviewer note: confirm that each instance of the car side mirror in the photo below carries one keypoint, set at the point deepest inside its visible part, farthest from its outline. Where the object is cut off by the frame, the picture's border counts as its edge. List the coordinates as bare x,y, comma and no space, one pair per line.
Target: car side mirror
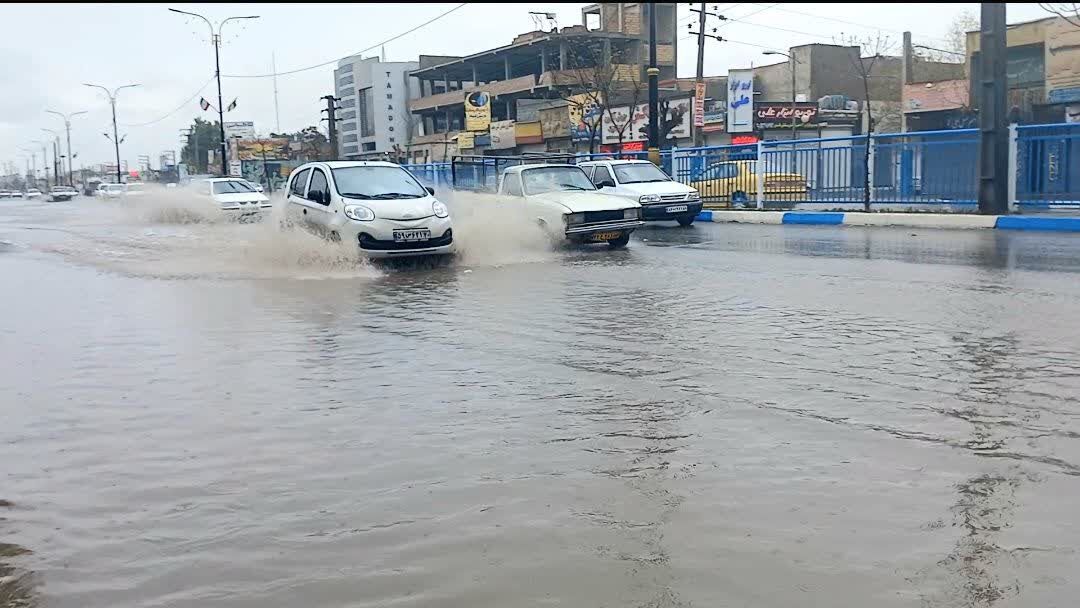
431,190
316,196
607,183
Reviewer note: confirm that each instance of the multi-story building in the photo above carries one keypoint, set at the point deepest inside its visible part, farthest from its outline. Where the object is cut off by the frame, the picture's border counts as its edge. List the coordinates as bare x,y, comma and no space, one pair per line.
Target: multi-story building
537,67
374,120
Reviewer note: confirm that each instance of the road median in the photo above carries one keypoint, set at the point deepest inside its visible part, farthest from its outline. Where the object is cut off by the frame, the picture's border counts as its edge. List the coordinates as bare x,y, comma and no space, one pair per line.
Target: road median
908,220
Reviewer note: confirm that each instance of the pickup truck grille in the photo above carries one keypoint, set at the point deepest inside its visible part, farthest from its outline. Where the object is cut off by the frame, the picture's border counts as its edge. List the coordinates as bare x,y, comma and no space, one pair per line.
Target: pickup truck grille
669,198
592,217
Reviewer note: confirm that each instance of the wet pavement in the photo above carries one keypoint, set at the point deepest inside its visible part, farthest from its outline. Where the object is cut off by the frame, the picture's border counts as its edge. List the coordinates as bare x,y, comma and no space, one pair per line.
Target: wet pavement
203,414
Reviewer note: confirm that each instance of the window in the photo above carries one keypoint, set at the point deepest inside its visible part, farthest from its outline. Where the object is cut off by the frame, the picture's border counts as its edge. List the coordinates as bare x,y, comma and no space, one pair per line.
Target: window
369,146
555,179
377,182
349,138
349,150
588,171
350,115
318,184
348,102
513,185
601,174
366,112
345,81
232,187
298,182
640,173
348,126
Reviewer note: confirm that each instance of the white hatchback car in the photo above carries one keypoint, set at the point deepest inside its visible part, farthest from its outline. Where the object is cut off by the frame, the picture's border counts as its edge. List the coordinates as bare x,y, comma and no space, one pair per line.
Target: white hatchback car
236,196
377,205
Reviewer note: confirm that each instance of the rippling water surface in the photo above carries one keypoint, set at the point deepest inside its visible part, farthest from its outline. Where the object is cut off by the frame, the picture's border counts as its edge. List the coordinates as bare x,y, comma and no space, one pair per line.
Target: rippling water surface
198,413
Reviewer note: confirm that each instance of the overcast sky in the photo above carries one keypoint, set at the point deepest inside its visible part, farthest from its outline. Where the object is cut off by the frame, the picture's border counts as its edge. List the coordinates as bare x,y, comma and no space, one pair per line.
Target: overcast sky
49,50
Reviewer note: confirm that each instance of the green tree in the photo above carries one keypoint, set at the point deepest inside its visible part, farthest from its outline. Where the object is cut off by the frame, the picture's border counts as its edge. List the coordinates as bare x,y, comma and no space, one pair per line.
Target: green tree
202,137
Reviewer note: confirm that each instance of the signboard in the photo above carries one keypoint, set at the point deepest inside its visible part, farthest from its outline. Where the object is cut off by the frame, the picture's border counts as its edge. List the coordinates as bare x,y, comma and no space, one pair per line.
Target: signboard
276,148
243,130
236,168
528,133
777,115
554,123
740,110
714,121
699,104
742,140
465,140
502,135
585,115
477,110
676,119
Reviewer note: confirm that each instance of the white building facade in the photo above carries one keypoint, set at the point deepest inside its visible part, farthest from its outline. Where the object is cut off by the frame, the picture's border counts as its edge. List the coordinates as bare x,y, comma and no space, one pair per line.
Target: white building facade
374,120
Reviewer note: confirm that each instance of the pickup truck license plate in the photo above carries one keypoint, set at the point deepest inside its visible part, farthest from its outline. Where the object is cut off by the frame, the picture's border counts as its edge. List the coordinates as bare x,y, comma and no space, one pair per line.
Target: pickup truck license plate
407,236
606,236
676,209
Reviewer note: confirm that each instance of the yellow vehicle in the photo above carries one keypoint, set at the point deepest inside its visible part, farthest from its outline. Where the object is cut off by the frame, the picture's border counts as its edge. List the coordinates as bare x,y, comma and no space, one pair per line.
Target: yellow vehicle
735,182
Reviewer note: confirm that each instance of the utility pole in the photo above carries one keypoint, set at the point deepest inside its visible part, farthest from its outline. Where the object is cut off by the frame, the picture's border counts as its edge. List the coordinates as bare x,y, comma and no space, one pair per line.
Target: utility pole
67,127
699,135
654,91
216,39
331,120
116,135
277,114
993,130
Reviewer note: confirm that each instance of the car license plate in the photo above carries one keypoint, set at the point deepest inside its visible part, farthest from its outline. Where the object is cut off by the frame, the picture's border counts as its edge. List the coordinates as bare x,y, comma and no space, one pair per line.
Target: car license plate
676,209
406,236
606,236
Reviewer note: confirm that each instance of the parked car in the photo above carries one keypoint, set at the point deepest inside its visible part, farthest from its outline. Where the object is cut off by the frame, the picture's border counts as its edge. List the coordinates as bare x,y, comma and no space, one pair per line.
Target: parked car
736,182
565,202
378,205
661,198
32,193
61,193
235,197
8,194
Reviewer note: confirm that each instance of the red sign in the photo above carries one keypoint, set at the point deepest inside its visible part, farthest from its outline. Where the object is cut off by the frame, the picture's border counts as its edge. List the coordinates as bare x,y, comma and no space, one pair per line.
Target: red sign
699,104
633,146
776,113
741,140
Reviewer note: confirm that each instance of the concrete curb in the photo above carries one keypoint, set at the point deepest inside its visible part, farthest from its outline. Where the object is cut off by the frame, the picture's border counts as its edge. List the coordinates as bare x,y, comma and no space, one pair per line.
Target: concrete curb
910,220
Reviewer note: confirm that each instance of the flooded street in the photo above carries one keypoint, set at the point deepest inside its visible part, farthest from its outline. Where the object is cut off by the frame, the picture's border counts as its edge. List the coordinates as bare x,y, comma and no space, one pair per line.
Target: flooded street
196,413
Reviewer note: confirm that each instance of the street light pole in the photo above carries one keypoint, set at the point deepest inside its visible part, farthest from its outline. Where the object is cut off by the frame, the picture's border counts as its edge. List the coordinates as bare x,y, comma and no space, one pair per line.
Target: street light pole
67,127
794,136
216,39
654,91
116,135
55,157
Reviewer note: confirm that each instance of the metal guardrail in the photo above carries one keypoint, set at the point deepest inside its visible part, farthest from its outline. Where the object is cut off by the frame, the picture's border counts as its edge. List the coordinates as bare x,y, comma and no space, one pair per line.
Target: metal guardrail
919,169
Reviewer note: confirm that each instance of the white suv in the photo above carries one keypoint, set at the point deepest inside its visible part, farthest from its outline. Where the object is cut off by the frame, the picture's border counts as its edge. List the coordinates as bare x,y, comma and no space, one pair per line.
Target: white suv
661,197
377,205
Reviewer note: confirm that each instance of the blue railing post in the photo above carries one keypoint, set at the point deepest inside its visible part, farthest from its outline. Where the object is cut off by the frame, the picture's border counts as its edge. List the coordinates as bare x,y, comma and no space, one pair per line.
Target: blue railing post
759,170
1012,167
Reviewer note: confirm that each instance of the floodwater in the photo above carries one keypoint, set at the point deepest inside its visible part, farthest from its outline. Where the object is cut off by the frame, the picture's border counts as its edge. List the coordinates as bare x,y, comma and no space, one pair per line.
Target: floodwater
195,413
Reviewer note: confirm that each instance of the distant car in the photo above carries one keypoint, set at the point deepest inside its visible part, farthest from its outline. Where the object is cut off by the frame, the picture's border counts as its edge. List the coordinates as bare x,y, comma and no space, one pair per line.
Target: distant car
377,205
235,196
736,182
32,193
112,190
62,193
661,197
7,194
258,187
135,189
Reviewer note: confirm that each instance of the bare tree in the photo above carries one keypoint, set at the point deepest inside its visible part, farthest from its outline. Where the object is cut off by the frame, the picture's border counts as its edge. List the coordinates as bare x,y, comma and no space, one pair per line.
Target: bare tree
1069,11
871,50
595,80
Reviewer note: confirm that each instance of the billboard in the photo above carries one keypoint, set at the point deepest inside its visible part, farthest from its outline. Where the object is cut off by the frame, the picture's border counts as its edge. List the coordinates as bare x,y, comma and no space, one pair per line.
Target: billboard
740,114
676,117
236,168
699,104
585,113
502,135
465,140
477,110
528,133
779,115
258,149
243,130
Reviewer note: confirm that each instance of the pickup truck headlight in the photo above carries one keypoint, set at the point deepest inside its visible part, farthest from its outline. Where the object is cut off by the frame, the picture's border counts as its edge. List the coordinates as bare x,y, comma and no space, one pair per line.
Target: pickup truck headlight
694,196
573,219
632,213
359,213
649,198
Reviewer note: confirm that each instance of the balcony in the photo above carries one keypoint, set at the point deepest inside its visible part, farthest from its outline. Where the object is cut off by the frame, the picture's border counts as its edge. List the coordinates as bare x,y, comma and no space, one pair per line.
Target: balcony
452,98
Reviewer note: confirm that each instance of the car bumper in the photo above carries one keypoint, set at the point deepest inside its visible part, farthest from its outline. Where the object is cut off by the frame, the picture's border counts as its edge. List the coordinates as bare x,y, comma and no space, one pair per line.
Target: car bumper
659,211
376,238
247,209
596,233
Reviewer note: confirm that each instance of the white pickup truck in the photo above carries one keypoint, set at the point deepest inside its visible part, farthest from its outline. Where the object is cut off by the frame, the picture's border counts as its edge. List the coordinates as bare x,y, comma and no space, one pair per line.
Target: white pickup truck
565,203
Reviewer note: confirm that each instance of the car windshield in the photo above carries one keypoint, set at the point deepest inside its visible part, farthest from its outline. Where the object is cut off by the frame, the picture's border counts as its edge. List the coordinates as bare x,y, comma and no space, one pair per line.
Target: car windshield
639,173
232,187
555,179
377,182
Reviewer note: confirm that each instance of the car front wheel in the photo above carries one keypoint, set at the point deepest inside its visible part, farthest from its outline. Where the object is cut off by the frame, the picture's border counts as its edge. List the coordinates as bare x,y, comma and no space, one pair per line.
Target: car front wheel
619,242
686,220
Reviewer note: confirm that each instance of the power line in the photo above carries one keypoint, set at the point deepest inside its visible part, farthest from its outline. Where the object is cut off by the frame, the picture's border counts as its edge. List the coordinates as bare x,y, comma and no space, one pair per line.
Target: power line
740,18
862,25
374,46
177,109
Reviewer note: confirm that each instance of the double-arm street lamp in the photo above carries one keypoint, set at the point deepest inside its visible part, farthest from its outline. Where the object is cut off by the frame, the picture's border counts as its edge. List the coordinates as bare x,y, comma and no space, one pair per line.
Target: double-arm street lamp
67,128
116,136
215,36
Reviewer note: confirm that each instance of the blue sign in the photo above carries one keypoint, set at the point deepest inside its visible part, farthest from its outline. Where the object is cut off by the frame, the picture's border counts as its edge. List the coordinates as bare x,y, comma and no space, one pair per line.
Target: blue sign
1070,95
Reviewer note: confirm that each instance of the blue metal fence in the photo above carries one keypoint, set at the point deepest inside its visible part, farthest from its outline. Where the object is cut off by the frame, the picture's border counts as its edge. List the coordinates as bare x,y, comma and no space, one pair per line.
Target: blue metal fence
927,169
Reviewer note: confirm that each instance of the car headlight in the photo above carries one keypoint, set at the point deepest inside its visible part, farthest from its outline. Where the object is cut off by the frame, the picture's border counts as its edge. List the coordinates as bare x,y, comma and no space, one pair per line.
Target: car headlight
631,214
440,209
649,198
359,213
573,219
693,196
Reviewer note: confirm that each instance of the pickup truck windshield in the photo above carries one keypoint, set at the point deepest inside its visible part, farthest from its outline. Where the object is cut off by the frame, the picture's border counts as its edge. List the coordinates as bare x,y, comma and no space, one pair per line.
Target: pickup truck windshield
377,183
555,179
639,173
